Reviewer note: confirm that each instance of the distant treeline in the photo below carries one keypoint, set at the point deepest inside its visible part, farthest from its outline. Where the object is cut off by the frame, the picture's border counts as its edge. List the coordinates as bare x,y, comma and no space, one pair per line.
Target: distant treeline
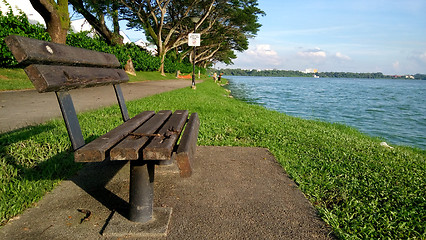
266,73
290,73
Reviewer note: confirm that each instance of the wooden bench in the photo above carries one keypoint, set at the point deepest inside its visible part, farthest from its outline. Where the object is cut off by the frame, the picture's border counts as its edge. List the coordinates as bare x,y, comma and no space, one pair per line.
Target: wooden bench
145,140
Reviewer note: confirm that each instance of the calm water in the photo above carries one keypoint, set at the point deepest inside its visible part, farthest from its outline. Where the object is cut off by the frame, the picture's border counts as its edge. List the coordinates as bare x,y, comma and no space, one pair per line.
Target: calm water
392,109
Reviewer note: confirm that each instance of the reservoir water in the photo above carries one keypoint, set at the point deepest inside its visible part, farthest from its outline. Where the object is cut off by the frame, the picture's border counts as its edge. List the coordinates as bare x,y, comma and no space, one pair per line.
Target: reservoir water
394,110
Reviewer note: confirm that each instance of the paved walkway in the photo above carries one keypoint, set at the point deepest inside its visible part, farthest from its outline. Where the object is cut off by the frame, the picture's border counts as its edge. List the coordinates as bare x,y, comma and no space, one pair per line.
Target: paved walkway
234,193
23,108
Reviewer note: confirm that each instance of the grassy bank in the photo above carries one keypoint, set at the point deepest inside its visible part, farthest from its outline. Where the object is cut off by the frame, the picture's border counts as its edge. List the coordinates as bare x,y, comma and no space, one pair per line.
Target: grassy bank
363,190
16,79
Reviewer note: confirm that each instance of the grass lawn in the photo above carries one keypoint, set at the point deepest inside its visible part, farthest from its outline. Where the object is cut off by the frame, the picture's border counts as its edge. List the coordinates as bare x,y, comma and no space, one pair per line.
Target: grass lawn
363,190
16,79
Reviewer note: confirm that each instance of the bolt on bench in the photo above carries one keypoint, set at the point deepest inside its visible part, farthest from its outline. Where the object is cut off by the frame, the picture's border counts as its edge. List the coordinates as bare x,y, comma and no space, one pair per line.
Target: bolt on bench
145,140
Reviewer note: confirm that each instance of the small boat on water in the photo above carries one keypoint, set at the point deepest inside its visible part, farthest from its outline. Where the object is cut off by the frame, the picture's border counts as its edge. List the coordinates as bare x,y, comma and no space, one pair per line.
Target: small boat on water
316,76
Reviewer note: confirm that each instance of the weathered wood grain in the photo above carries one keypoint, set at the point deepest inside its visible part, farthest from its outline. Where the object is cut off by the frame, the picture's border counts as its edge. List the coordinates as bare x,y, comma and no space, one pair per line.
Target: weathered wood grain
48,78
187,146
161,148
28,51
98,149
129,148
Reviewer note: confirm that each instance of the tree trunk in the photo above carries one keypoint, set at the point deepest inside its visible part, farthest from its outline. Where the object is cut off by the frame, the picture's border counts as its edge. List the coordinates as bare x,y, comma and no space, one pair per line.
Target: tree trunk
56,32
114,14
161,70
56,17
112,38
129,67
162,50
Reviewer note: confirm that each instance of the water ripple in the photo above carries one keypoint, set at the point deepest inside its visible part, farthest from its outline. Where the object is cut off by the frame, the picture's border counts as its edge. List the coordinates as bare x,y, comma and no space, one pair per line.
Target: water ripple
391,109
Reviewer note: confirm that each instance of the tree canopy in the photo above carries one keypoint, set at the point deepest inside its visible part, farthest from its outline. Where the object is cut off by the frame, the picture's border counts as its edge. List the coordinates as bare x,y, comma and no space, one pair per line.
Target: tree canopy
225,25
95,12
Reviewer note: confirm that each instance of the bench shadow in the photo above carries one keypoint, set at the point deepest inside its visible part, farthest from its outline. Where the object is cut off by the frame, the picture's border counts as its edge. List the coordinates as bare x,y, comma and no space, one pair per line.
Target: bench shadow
90,177
93,179
24,133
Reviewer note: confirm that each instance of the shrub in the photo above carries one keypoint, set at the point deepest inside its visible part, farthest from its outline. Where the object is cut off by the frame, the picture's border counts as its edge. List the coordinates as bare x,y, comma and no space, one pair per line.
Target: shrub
18,25
142,60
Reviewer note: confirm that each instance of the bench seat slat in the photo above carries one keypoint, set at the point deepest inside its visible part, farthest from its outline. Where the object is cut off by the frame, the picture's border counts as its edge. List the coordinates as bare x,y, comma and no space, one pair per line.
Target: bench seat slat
186,149
161,148
28,51
98,149
47,78
128,149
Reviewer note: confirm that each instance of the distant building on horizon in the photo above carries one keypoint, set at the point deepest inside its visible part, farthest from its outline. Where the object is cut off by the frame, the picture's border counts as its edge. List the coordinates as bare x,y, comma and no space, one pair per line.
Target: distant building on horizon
80,25
310,70
152,49
24,6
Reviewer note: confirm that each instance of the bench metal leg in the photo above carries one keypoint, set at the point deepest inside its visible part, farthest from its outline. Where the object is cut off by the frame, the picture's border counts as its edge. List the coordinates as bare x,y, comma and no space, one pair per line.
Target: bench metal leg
141,191
144,221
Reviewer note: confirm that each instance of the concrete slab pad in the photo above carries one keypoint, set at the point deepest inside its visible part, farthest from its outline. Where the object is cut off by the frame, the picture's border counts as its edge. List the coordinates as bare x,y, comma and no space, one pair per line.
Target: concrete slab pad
120,227
234,193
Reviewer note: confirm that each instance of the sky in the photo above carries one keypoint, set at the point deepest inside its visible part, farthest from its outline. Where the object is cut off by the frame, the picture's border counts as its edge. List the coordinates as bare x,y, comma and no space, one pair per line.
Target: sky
387,36
339,36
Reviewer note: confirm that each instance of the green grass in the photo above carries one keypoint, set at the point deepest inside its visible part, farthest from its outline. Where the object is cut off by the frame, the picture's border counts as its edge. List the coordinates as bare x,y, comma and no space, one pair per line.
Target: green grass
151,76
16,79
363,190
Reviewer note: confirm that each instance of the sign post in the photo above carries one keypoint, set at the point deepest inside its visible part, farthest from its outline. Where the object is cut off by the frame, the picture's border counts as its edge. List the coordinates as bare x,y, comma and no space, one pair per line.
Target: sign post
194,40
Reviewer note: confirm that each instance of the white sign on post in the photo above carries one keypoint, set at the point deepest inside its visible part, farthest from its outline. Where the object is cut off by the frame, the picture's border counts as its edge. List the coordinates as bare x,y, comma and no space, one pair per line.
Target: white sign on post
194,39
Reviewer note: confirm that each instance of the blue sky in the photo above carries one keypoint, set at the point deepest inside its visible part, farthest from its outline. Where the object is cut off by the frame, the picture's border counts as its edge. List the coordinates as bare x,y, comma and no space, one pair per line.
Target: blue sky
346,35
386,36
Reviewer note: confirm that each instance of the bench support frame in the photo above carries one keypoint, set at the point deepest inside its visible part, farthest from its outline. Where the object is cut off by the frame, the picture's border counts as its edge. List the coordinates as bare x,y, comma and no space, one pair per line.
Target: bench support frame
70,117
59,68
141,195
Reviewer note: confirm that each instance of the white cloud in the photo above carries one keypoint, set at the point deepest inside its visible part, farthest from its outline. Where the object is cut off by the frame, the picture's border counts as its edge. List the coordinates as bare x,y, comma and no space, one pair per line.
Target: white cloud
395,65
313,53
417,58
341,56
262,50
423,57
261,54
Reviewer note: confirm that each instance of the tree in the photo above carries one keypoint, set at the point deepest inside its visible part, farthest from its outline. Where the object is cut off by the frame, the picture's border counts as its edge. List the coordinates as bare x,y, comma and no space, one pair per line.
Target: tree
165,22
233,23
225,25
94,12
56,16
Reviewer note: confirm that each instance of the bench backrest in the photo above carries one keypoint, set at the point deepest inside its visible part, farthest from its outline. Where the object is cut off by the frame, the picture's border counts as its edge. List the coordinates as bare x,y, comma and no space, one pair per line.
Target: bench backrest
53,67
